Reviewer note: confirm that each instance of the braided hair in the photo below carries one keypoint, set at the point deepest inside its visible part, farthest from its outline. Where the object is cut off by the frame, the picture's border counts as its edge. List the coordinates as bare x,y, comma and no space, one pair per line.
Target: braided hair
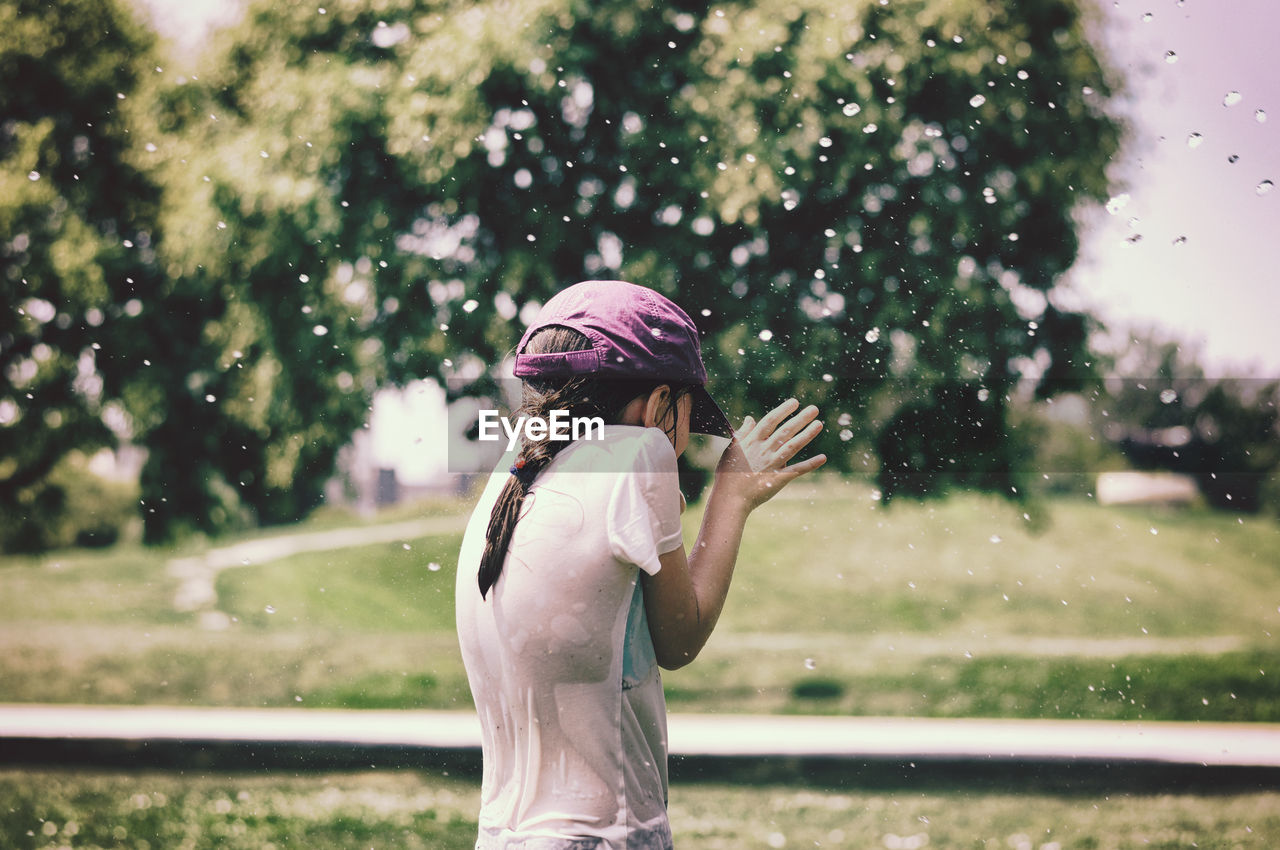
580,396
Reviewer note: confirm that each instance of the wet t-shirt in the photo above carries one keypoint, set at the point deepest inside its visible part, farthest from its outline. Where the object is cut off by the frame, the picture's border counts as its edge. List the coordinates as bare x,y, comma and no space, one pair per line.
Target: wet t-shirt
559,657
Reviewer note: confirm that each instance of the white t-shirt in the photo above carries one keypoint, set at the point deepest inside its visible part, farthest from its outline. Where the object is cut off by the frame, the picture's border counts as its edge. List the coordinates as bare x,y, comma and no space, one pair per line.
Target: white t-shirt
559,657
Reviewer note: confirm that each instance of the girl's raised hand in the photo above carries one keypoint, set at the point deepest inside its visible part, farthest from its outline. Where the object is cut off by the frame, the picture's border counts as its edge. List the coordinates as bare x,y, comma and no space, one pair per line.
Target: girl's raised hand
754,466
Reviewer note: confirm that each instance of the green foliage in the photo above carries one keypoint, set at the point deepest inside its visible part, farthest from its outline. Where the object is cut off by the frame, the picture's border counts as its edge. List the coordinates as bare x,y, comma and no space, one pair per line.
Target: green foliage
77,226
70,507
869,206
865,205
1168,415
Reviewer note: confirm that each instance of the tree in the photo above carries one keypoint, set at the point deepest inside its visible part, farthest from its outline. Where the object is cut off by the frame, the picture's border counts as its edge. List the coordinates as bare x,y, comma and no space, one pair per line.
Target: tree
867,205
1167,415
77,225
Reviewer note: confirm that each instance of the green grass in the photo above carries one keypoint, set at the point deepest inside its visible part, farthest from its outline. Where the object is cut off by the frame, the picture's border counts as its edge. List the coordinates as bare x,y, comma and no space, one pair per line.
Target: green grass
394,587
963,607
405,809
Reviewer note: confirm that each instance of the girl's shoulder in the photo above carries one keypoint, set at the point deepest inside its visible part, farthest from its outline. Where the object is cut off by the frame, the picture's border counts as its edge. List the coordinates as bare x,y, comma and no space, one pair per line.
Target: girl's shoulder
622,448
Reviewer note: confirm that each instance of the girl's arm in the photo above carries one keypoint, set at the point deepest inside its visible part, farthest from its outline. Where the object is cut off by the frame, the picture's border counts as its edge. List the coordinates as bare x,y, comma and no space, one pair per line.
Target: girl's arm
683,600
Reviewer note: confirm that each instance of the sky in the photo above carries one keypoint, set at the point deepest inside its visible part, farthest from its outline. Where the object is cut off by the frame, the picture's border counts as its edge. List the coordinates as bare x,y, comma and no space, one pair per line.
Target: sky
1194,248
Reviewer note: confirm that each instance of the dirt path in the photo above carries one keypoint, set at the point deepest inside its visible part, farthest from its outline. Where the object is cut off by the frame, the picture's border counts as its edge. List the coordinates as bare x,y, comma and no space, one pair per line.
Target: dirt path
197,575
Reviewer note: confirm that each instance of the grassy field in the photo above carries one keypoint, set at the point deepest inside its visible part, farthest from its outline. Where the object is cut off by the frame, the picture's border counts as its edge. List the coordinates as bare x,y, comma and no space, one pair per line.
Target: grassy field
965,607
406,809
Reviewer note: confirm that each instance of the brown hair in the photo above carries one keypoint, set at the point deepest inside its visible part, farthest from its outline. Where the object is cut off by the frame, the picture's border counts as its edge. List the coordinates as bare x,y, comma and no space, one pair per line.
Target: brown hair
580,396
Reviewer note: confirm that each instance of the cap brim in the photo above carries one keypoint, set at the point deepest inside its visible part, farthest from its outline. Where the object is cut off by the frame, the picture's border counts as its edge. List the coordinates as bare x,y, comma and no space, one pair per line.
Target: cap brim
707,417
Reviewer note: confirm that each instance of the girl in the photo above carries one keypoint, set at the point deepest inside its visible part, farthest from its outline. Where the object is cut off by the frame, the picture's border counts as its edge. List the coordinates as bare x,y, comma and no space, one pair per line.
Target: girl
573,582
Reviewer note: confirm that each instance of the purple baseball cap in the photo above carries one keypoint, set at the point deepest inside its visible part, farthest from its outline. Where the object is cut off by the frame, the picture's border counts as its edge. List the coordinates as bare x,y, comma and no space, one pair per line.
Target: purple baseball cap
635,332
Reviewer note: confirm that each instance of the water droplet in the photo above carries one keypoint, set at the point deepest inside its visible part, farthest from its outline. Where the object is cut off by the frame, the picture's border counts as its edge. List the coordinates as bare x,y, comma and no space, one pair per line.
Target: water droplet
1181,240
977,100
1204,700
851,109
319,330
1260,116
1155,531
406,546
873,335
1171,57
433,567
1194,140
1023,75
33,176
263,154
1232,98
1168,396
270,609
1234,158
1265,186
211,398
995,538
766,335
810,664
1148,18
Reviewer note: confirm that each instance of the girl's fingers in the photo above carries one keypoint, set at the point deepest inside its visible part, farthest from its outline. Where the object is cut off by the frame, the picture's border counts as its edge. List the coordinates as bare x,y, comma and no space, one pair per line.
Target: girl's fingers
803,467
769,423
793,426
792,447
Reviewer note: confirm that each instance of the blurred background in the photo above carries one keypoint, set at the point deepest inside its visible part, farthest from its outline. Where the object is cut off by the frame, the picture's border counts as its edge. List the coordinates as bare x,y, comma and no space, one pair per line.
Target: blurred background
251,254
262,262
